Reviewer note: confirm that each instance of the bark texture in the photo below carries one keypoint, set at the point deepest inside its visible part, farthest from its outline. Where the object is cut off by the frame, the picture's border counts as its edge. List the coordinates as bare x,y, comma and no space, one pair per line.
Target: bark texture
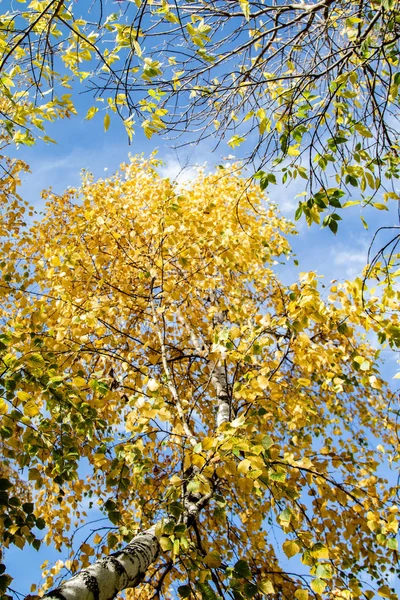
108,576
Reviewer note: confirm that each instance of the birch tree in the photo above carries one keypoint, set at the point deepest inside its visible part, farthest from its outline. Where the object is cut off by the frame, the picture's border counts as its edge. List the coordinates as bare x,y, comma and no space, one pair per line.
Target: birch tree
235,432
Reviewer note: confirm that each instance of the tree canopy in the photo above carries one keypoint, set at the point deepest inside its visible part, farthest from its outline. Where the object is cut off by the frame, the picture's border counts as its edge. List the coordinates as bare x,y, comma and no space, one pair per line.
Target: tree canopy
311,87
235,432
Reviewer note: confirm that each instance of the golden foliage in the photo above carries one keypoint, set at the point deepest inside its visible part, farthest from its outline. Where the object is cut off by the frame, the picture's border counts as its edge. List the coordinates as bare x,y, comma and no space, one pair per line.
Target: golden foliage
136,293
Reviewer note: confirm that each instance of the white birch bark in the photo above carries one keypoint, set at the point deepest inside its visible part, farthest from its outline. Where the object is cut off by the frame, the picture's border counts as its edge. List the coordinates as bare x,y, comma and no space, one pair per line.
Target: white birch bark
108,576
218,375
218,378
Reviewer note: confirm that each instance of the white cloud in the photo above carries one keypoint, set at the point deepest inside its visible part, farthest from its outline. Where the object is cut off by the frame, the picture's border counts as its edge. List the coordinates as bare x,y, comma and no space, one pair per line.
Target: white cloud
350,259
179,171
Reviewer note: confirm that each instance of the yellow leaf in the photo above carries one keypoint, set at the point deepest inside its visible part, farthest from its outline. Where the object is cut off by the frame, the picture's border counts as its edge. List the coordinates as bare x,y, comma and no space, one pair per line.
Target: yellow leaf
318,585
204,574
246,484
301,594
384,591
374,382
55,261
3,407
175,480
359,359
212,559
319,551
267,587
79,381
24,396
244,5
31,409
91,112
207,443
293,150
106,121
137,47
263,382
166,543
290,548
198,460
238,422
244,466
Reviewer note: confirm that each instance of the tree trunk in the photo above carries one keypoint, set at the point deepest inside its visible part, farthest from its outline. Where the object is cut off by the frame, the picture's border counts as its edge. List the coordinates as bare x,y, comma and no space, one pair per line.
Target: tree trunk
109,575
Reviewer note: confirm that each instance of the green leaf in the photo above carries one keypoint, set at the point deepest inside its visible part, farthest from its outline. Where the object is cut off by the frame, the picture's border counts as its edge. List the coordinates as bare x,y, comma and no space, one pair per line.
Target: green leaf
184,591
242,569
277,475
324,571
333,201
114,516
250,590
352,180
333,226
40,523
28,507
34,359
206,591
285,516
166,543
193,485
392,544
175,508
5,484
267,442
298,212
36,544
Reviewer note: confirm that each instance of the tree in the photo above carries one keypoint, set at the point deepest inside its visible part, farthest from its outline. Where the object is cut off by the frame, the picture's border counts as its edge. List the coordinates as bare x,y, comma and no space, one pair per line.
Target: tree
155,367
312,86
